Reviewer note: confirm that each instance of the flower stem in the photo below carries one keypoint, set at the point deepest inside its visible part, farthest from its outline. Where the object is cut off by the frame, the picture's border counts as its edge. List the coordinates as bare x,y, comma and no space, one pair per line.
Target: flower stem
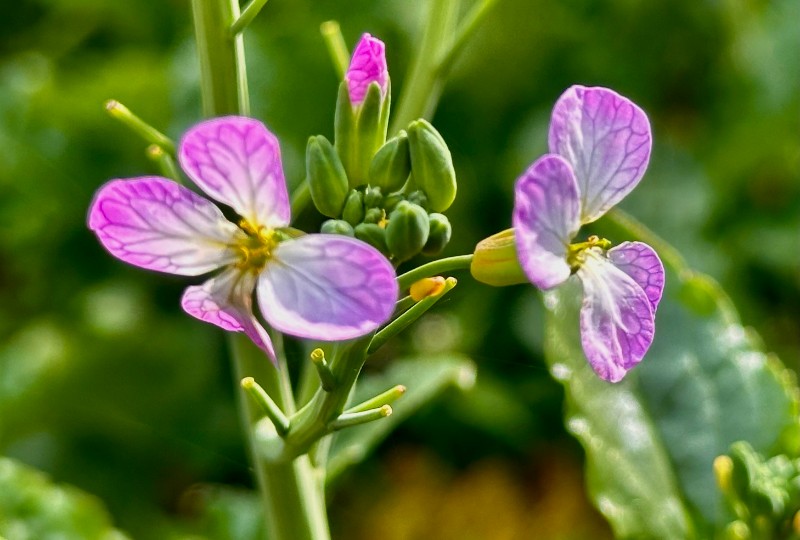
423,84
433,268
464,32
292,491
248,14
337,48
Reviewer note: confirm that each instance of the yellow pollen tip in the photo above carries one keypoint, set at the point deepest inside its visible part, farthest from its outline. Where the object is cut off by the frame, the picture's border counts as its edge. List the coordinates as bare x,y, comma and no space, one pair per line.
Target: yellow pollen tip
425,287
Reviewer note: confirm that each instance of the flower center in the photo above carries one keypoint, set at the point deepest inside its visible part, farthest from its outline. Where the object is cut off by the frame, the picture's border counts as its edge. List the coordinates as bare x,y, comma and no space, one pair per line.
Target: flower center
576,253
256,246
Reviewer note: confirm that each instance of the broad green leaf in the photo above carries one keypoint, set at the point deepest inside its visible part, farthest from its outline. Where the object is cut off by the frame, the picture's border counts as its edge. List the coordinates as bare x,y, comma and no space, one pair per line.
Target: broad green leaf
425,377
628,469
34,508
651,440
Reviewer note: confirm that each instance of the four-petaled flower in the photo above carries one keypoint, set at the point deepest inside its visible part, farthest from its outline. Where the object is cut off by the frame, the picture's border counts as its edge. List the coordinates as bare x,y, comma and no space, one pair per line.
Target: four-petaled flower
600,146
367,65
316,286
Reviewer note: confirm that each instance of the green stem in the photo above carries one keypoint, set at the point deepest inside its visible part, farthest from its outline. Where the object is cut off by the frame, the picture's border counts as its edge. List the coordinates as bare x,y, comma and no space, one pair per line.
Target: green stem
433,268
464,32
337,48
423,85
248,14
292,491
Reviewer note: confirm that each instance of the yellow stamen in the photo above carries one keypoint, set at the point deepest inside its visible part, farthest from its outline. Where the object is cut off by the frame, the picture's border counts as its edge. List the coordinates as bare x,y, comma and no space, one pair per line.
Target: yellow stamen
255,249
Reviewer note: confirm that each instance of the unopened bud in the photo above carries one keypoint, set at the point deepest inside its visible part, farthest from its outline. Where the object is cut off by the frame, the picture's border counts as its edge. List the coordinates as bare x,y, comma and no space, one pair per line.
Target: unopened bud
418,197
407,230
373,235
327,180
374,215
495,261
353,212
391,165
337,226
431,165
439,235
372,197
426,287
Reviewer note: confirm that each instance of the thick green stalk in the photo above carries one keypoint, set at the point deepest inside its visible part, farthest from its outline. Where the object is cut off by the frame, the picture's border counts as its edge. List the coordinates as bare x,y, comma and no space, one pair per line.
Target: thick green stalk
292,492
423,85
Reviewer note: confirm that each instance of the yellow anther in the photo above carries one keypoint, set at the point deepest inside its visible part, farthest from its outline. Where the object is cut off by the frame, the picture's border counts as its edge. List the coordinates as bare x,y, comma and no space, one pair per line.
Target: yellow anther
425,287
723,470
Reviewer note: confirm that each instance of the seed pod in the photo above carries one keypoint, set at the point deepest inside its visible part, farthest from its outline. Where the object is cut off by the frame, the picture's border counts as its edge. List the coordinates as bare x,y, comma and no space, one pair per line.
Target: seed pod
353,212
337,226
392,164
439,236
431,165
327,180
407,230
373,235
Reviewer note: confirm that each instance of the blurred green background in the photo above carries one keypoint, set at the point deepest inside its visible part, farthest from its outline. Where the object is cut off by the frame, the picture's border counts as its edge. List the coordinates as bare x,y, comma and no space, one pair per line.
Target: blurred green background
106,385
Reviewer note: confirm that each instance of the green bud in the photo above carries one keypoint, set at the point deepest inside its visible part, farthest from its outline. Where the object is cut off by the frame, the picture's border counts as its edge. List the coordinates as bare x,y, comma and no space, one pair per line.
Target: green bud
439,236
373,235
495,261
344,125
392,164
390,201
431,165
353,212
407,230
418,197
337,226
374,215
327,180
372,197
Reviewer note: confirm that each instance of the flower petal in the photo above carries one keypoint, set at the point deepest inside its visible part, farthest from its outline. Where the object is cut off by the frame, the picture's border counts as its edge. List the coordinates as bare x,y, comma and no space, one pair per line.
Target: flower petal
158,224
606,138
226,301
327,287
237,161
617,322
642,263
545,218
368,65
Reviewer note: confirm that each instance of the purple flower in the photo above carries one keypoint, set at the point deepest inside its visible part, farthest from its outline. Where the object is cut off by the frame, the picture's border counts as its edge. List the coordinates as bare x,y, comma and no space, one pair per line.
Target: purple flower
600,146
316,286
368,65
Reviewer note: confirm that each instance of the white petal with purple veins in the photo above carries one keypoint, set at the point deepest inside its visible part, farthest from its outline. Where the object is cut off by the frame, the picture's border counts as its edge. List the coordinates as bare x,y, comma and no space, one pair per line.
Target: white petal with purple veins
158,224
237,161
227,301
545,218
327,287
642,263
606,138
617,322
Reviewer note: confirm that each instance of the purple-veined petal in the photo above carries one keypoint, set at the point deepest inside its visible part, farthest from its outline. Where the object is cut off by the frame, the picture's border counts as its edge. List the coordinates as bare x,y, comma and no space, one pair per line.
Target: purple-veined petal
237,161
606,138
617,322
545,218
327,287
155,223
226,300
368,65
642,263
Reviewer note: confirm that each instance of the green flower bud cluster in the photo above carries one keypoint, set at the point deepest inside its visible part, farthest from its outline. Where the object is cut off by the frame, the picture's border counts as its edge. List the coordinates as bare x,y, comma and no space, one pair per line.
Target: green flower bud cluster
390,194
764,494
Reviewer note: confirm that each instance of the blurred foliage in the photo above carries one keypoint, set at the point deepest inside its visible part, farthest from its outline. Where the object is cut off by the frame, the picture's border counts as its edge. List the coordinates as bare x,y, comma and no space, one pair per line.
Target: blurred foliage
104,384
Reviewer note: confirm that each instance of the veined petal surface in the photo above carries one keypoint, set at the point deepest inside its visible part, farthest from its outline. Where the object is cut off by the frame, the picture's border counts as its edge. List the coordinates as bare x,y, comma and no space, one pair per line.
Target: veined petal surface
643,264
368,65
545,218
155,223
237,161
327,287
617,323
607,140
226,301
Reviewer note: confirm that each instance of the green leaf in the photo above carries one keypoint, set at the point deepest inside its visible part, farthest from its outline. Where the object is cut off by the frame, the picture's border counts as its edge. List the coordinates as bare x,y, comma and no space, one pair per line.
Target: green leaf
32,507
424,377
651,440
